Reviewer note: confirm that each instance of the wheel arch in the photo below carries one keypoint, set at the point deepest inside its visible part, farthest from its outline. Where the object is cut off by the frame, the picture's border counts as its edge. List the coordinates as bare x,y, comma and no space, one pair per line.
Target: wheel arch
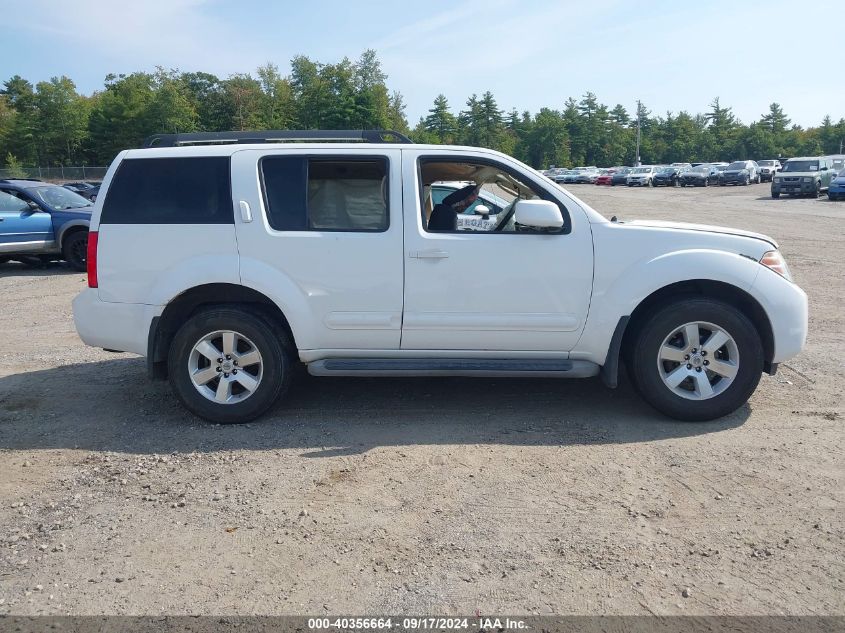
163,327
707,288
71,228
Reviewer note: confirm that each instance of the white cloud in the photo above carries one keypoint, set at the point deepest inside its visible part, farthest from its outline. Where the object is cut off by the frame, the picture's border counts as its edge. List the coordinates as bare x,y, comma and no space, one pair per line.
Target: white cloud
170,33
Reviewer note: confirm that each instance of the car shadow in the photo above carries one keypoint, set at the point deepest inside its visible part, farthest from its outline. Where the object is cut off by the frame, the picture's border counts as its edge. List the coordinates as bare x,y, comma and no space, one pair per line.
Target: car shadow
112,406
17,269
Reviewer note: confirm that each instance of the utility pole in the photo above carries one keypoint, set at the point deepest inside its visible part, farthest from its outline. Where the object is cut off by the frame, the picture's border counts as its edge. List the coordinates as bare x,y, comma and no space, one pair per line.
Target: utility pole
637,161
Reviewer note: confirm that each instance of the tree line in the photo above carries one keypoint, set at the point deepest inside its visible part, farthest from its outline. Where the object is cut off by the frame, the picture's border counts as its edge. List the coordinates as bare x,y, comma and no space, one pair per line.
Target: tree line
51,124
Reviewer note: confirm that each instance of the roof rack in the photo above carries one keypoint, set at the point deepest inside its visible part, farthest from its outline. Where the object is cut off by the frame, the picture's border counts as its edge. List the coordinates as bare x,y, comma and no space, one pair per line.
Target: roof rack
275,136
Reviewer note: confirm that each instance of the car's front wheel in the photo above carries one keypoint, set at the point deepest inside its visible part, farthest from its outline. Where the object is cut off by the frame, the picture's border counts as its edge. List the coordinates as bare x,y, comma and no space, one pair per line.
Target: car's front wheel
229,366
696,359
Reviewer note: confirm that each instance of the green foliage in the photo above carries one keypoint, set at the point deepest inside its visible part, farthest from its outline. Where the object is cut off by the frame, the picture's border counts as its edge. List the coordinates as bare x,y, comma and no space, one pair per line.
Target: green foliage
14,169
51,124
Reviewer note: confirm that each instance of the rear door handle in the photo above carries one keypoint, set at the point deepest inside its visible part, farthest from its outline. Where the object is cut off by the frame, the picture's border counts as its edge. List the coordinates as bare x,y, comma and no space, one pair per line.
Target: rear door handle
434,253
246,212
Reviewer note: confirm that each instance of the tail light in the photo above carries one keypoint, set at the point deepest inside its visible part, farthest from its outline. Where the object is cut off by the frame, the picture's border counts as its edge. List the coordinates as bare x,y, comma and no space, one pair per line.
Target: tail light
91,259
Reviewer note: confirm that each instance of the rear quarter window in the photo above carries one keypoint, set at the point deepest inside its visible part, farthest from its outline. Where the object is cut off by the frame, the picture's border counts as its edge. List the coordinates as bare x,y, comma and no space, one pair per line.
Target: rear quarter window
194,190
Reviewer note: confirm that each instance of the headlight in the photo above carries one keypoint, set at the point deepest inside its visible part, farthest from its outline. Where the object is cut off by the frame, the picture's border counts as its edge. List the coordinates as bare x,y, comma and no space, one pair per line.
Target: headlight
775,261
777,180
807,179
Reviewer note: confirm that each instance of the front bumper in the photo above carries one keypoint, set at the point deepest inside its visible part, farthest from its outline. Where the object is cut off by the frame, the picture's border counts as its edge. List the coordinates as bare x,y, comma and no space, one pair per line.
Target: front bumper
793,187
786,306
122,327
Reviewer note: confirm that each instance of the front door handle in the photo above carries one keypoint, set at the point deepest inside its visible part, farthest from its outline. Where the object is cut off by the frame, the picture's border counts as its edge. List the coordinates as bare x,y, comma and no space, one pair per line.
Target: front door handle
434,253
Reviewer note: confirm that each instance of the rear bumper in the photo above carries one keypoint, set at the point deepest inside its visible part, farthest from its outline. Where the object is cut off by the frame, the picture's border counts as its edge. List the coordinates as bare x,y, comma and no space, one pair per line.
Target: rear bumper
786,306
116,326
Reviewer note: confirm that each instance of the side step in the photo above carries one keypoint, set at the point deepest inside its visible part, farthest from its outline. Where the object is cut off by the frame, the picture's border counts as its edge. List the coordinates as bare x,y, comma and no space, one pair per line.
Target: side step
473,367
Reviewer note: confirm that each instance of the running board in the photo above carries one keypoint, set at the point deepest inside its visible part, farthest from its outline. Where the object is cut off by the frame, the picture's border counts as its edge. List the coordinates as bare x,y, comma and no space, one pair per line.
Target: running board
472,367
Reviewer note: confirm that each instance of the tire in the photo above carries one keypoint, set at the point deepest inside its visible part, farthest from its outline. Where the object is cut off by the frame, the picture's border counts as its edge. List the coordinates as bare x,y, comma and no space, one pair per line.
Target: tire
75,250
747,181
741,355
650,182
677,183
775,195
818,190
4,259
252,333
706,182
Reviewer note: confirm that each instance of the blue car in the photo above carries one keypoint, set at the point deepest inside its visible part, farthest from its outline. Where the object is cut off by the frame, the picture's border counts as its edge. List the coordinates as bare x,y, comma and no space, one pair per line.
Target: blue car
43,221
836,191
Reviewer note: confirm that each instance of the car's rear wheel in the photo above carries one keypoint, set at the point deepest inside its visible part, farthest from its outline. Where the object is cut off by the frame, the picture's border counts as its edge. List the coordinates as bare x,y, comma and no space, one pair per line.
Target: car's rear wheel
229,366
818,190
706,182
697,359
75,250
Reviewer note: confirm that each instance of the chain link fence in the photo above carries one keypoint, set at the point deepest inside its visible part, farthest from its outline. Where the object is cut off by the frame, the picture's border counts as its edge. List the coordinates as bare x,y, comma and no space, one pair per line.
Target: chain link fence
56,173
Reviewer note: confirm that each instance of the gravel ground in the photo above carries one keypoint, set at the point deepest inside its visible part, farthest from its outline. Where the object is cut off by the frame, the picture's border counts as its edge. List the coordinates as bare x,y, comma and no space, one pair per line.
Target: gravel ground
427,495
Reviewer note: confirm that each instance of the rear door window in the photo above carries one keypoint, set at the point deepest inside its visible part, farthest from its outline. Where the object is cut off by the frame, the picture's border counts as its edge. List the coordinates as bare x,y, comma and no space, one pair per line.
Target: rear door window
194,190
317,194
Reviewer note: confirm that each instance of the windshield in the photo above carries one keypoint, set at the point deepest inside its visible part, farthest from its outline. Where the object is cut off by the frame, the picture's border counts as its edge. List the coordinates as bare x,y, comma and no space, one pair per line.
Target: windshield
667,170
801,165
766,163
59,198
701,169
740,164
642,170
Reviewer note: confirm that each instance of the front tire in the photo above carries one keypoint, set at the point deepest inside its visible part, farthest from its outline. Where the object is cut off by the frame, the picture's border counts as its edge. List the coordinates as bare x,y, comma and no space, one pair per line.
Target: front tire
696,359
229,366
75,250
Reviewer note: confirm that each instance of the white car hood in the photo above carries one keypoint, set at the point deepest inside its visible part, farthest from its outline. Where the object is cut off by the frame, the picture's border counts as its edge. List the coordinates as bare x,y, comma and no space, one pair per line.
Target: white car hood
687,226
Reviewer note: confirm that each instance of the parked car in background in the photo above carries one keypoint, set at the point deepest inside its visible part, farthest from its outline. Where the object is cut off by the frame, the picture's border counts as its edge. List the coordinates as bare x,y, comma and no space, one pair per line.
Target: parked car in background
556,174
836,189
642,176
806,176
740,172
669,176
700,176
837,161
588,176
620,177
768,169
45,221
87,190
605,177
568,177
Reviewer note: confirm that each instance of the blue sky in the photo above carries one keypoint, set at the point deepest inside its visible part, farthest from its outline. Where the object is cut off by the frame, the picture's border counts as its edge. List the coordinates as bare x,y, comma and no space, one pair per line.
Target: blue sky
672,55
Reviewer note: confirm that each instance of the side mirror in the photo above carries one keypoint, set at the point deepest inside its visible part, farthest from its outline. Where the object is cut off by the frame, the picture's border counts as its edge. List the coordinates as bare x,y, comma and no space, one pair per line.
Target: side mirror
541,214
482,210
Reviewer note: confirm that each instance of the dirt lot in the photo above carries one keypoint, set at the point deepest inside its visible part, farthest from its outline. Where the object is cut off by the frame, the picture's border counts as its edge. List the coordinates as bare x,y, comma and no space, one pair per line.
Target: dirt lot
364,496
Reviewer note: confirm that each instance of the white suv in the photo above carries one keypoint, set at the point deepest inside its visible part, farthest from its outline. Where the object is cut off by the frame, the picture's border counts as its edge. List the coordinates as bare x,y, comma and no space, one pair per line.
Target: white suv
226,258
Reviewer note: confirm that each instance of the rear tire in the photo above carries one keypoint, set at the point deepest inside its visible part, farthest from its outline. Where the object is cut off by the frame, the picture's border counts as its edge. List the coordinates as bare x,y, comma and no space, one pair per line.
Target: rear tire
75,250
727,380
229,397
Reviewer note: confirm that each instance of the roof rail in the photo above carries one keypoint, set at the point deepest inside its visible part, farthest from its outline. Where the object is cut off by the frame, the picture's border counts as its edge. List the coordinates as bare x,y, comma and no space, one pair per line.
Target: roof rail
275,136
